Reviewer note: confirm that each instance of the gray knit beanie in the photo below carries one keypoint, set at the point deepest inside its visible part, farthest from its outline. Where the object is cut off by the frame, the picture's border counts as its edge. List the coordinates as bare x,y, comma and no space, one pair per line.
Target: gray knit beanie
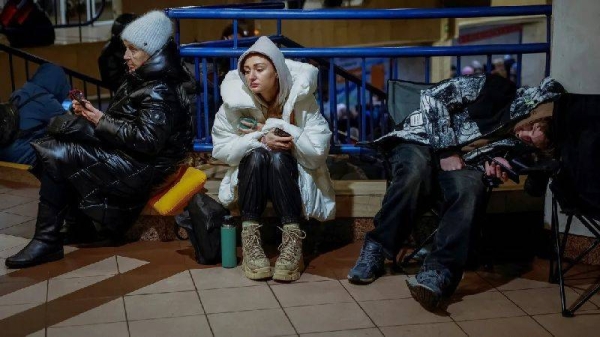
150,32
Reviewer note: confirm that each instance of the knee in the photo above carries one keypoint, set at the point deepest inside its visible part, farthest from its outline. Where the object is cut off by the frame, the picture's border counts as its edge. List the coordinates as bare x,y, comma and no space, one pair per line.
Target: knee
256,159
283,161
468,193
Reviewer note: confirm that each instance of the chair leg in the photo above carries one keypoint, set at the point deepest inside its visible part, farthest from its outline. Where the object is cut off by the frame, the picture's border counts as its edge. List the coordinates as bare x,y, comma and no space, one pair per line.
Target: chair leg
409,257
559,253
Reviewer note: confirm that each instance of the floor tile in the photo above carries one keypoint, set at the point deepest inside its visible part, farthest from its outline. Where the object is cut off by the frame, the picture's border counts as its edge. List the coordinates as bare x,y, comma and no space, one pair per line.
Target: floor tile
41,333
28,209
372,332
28,192
384,288
311,293
105,267
6,253
489,304
256,323
3,269
189,326
8,220
328,317
126,264
10,310
472,284
584,288
216,278
584,324
111,312
238,299
150,306
400,312
33,294
9,200
58,287
9,241
502,282
544,300
305,277
23,230
95,330
449,329
504,327
179,282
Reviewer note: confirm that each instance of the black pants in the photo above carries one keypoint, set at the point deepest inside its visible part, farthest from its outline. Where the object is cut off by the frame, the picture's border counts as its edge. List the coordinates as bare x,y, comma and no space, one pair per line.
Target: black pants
414,170
271,175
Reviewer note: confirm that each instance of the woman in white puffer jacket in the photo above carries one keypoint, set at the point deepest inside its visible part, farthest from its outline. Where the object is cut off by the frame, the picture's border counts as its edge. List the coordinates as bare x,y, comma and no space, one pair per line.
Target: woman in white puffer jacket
269,130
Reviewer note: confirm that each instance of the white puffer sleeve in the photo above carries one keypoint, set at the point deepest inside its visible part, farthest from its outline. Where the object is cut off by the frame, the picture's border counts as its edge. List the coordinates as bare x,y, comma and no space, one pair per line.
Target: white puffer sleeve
229,145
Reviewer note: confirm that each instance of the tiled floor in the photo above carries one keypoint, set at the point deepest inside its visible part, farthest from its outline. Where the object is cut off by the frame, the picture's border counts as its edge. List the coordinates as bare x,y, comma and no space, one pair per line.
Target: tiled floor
156,289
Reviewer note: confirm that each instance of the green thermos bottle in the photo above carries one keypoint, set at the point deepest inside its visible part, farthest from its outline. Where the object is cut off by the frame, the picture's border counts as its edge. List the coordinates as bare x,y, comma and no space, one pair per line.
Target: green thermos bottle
228,244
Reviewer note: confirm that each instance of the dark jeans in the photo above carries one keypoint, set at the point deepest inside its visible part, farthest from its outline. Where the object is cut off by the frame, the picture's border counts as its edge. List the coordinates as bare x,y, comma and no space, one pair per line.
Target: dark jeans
271,175
415,171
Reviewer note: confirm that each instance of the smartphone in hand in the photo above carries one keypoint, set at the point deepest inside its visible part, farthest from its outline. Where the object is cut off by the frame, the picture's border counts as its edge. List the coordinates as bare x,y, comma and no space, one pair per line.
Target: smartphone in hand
280,133
511,174
77,95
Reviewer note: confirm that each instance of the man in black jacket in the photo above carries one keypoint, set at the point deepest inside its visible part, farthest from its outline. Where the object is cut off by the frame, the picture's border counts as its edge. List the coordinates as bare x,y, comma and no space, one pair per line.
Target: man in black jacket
444,146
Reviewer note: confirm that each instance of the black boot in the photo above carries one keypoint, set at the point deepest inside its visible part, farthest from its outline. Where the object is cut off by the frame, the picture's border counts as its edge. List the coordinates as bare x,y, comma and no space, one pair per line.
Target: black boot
46,245
78,228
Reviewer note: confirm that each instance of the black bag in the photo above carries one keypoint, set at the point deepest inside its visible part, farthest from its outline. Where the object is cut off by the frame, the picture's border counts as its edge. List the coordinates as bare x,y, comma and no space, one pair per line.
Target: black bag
9,121
25,24
203,227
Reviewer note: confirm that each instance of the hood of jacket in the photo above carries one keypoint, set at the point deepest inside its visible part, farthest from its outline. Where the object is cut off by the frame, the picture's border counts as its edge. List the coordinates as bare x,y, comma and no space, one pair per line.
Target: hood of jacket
297,80
48,78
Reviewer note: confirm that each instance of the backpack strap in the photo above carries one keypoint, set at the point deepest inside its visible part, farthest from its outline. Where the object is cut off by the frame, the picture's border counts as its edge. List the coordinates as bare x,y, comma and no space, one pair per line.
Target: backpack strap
31,98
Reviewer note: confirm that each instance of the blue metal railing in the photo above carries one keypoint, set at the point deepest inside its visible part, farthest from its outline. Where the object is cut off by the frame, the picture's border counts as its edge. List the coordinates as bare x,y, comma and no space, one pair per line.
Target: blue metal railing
88,84
204,51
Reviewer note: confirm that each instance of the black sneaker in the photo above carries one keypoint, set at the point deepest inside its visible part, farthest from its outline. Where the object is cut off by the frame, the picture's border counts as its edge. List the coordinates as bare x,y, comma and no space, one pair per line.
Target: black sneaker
369,265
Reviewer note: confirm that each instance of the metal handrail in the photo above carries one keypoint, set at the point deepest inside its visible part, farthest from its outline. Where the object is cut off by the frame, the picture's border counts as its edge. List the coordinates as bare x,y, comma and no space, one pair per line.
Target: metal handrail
237,46
350,14
529,48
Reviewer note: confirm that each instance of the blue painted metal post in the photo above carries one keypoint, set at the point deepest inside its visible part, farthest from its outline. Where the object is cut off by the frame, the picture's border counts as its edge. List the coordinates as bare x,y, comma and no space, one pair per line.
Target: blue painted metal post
205,98
519,61
347,89
363,98
489,63
458,66
199,129
333,101
177,33
278,27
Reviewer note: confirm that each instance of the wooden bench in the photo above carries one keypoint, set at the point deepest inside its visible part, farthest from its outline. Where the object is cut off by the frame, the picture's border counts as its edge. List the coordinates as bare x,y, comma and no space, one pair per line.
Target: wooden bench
358,199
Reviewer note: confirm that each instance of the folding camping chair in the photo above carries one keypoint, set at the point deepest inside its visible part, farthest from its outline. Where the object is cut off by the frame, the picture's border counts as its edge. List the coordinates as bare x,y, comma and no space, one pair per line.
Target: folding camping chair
575,185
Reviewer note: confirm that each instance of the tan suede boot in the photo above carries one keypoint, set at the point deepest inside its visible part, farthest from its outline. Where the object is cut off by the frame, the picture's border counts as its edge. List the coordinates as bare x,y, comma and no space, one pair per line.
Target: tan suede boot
290,263
255,264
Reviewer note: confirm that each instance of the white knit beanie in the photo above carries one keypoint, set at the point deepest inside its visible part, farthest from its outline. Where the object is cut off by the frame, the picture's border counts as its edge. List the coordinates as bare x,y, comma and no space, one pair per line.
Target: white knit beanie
150,32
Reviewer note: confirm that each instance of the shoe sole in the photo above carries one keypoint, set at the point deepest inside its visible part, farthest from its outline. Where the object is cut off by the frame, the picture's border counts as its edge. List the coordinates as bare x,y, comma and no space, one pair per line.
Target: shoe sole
26,264
357,280
424,295
288,275
257,274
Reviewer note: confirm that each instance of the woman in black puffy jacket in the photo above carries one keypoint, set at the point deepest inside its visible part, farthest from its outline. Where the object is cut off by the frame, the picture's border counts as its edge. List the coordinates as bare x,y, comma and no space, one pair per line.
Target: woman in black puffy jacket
107,164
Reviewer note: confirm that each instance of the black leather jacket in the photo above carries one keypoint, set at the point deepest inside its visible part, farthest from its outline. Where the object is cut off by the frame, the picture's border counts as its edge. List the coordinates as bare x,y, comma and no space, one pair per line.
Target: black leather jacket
140,140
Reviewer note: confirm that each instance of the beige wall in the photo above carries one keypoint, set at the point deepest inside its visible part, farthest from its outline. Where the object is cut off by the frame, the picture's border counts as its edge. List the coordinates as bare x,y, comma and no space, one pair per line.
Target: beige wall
314,33
79,57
